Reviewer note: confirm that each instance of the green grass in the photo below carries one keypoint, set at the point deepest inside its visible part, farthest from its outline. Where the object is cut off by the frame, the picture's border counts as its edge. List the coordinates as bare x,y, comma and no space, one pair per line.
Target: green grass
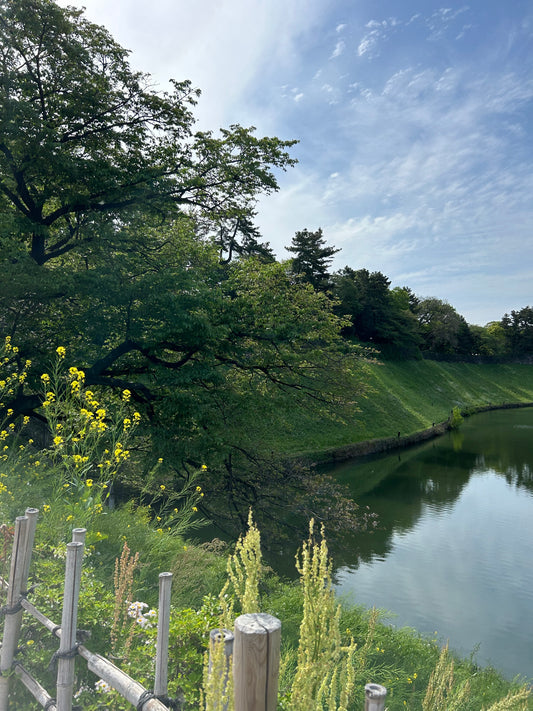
407,397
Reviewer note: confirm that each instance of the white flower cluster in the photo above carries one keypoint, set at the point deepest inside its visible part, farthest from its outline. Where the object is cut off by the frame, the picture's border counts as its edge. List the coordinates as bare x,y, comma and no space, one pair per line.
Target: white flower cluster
135,610
102,686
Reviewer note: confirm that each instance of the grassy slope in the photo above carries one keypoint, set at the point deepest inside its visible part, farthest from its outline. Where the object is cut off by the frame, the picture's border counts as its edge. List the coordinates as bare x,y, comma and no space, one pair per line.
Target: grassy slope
407,397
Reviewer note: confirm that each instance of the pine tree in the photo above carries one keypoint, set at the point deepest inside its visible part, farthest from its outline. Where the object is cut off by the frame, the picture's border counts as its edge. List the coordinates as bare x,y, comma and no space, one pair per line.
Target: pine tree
313,258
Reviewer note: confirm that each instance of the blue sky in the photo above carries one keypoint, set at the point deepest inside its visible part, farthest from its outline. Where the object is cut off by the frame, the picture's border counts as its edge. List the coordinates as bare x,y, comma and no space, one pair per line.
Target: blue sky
414,121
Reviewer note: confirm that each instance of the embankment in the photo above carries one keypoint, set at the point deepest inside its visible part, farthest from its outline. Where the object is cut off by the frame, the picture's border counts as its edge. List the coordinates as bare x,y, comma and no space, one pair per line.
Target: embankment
407,402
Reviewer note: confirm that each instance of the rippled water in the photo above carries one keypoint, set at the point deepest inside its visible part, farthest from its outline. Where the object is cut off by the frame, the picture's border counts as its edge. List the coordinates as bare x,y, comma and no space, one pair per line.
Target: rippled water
454,552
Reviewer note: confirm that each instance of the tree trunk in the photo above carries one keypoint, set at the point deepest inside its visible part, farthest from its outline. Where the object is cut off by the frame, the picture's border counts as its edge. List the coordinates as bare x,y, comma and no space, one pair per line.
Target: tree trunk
38,245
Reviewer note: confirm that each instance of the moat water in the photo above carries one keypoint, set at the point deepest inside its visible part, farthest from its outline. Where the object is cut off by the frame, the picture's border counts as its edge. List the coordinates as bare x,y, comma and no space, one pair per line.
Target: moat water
453,553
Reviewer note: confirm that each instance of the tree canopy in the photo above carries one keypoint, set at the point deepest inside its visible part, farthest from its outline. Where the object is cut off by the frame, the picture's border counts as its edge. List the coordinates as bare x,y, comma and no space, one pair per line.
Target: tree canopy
312,258
82,136
129,239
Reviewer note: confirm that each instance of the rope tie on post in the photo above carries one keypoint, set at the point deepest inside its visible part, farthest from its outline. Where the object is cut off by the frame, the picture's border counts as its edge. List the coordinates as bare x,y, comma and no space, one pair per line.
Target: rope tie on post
49,704
145,696
6,610
17,607
69,654
149,695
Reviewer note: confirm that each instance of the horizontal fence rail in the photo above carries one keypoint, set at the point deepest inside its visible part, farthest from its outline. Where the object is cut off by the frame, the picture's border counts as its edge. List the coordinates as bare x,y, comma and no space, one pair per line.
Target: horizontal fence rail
252,650
69,648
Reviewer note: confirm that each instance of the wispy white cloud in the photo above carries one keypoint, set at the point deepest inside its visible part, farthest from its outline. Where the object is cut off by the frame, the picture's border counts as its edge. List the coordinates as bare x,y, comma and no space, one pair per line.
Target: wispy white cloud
414,156
220,45
339,49
440,21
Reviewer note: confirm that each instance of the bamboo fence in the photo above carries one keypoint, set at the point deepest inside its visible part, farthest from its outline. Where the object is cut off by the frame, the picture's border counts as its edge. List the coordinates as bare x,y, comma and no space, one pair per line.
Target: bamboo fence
254,645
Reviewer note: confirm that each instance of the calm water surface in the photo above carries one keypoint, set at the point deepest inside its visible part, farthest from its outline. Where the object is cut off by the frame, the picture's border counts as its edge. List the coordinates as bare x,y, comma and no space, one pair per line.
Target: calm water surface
454,550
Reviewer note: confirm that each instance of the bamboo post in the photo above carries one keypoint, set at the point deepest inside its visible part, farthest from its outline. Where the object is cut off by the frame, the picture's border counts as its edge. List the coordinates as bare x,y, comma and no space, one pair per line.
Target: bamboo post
78,535
163,624
31,514
256,662
375,696
18,578
216,636
67,646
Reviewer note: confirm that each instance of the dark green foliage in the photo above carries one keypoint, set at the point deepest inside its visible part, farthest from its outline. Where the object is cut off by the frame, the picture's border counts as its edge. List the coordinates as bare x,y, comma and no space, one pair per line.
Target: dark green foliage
377,315
313,258
442,328
518,330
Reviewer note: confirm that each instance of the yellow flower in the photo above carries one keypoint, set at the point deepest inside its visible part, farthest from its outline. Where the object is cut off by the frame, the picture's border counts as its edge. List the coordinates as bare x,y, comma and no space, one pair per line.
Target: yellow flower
58,440
198,488
45,378
88,482
126,394
194,508
204,467
162,487
60,350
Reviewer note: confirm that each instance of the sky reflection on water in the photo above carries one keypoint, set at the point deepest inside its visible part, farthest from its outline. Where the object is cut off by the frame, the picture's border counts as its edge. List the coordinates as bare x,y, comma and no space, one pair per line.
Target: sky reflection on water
454,553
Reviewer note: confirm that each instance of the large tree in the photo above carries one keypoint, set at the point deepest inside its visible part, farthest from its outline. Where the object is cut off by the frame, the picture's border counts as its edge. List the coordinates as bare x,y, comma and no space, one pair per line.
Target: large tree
118,226
518,330
443,329
377,314
312,258
82,135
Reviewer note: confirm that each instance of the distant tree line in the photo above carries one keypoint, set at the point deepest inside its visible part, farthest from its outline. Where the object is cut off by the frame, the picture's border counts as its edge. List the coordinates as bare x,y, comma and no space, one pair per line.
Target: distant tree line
398,322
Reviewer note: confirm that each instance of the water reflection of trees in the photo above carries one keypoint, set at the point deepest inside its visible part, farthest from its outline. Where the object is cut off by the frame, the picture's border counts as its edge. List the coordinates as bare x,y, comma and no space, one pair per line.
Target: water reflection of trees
404,486
435,479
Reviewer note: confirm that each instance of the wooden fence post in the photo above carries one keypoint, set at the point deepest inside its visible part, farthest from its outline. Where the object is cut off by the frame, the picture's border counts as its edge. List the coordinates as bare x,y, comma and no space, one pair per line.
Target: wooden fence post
18,579
78,535
256,662
216,636
375,695
163,624
67,647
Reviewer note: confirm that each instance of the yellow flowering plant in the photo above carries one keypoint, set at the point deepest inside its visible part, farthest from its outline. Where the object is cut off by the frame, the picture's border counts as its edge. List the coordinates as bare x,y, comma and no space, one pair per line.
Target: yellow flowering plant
90,436
174,511
13,375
